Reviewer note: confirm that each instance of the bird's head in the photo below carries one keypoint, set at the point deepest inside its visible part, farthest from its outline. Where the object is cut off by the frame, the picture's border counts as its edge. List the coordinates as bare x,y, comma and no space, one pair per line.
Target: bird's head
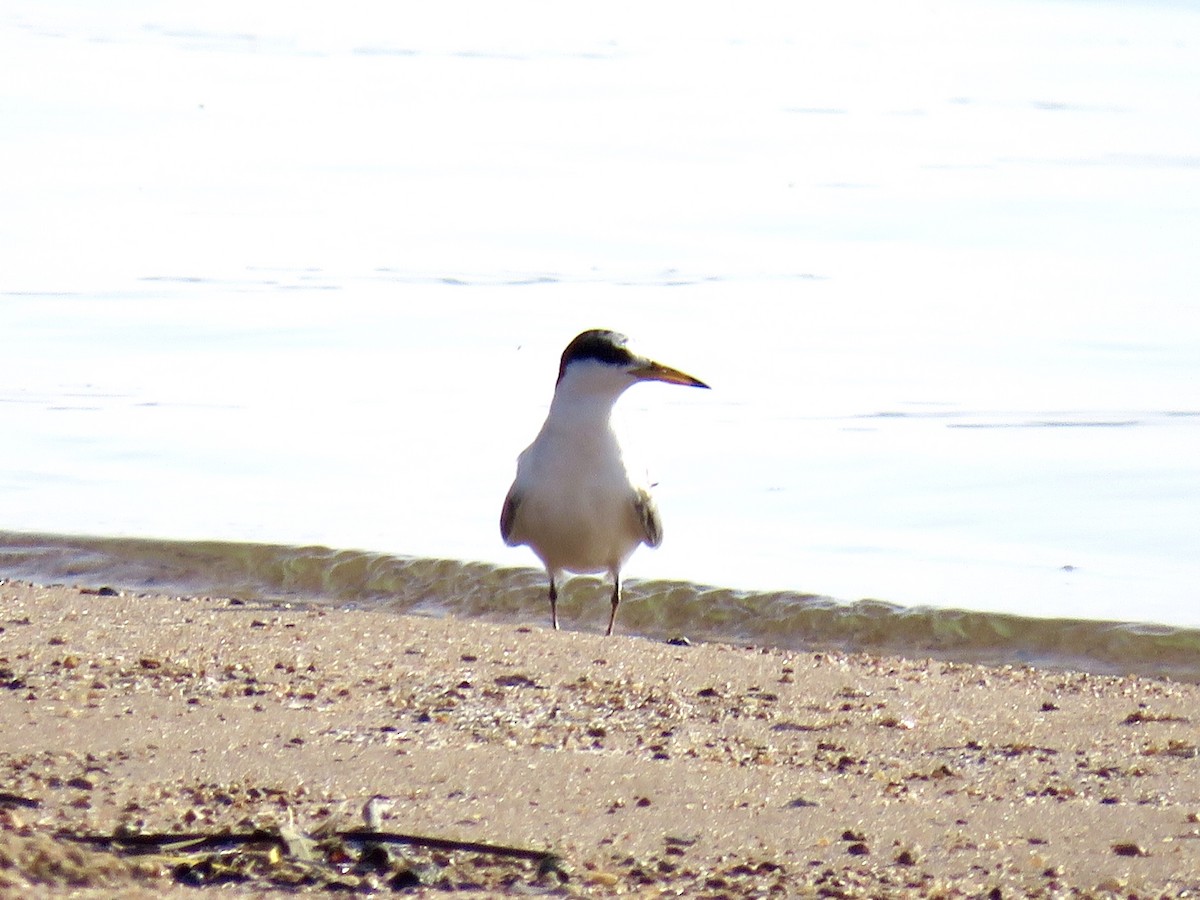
605,355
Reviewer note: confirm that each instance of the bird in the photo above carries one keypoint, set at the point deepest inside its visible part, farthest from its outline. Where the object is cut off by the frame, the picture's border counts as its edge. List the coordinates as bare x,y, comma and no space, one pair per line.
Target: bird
573,501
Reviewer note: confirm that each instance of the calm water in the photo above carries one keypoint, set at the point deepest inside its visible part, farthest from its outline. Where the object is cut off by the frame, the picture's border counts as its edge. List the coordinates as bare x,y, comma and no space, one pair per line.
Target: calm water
278,277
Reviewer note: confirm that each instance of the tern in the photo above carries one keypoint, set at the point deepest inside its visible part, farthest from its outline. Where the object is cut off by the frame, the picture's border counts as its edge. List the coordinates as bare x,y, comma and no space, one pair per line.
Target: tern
573,501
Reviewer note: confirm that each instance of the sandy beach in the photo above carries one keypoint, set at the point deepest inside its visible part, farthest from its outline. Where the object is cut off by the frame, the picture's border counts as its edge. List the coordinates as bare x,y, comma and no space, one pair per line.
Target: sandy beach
644,768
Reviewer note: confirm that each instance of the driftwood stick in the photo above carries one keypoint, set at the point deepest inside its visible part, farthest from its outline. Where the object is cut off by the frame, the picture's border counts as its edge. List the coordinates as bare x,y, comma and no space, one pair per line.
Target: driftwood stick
194,841
433,843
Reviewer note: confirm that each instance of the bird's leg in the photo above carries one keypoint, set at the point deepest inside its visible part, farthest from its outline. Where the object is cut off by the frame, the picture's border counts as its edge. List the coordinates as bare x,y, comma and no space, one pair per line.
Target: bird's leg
553,604
616,601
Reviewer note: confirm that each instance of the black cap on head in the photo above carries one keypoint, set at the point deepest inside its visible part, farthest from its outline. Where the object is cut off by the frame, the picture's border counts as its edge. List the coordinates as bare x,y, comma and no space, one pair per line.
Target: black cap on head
599,344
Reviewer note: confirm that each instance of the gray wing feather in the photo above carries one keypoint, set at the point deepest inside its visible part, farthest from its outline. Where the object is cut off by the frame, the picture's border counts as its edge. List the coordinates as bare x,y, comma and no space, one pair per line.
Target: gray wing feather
648,515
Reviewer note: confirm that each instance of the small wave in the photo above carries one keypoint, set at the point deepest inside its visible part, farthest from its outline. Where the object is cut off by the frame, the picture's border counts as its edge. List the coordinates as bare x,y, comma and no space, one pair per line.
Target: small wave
654,609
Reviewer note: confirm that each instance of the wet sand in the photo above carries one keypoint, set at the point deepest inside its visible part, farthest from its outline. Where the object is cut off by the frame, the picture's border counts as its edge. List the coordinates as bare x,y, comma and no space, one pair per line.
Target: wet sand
647,768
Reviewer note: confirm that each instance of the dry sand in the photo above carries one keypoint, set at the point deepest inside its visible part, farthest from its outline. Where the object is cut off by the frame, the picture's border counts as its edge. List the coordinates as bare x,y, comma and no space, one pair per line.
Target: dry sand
700,771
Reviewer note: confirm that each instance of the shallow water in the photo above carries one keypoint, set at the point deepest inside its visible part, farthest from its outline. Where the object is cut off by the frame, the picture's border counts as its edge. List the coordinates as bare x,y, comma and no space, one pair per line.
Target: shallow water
292,277
666,610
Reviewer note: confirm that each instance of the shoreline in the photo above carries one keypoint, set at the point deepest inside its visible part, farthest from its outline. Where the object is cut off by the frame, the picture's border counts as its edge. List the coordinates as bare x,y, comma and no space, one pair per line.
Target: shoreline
654,609
709,769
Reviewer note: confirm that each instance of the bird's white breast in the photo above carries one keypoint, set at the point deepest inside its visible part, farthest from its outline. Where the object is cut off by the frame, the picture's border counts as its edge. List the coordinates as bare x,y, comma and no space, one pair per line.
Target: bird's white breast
576,509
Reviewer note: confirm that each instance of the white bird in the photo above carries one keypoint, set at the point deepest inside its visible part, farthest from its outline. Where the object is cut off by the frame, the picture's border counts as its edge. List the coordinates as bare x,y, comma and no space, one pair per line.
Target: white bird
573,501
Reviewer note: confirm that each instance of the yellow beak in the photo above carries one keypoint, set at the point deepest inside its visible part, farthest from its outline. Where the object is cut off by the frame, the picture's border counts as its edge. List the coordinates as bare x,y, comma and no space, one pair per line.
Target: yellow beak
649,370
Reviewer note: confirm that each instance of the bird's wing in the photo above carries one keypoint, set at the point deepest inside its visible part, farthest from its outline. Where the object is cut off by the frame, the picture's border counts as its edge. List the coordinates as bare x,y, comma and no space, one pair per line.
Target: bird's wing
508,515
648,515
